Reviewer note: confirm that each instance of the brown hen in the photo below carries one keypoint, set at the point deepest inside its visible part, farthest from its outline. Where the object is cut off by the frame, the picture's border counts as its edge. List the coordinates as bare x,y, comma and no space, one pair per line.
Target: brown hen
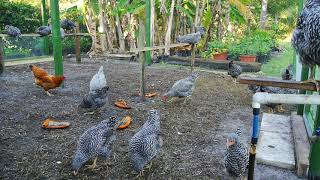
45,80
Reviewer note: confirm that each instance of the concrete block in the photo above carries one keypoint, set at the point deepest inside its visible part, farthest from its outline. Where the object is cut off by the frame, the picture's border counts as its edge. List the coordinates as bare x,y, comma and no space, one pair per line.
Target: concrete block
275,146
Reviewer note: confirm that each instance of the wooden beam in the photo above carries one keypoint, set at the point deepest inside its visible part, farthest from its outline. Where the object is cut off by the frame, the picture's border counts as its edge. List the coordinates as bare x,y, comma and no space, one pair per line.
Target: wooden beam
277,83
37,35
77,44
158,47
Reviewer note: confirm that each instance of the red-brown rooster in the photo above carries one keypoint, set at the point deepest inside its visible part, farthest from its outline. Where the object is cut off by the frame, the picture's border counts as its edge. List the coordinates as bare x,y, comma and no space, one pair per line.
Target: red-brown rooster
45,80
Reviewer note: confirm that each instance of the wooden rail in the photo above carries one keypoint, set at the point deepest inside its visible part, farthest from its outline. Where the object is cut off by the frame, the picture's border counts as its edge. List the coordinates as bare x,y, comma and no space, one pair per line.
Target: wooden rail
37,35
278,83
157,47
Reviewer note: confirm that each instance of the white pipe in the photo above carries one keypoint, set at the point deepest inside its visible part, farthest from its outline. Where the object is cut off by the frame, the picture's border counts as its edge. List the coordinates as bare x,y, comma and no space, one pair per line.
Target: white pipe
266,98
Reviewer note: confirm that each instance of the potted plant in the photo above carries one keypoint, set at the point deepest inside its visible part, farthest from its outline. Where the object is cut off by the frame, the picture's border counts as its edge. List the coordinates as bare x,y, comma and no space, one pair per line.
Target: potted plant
244,50
218,50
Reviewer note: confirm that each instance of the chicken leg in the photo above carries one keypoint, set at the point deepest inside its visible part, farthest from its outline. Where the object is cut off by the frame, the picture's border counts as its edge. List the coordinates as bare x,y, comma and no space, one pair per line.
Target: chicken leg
49,94
312,80
94,164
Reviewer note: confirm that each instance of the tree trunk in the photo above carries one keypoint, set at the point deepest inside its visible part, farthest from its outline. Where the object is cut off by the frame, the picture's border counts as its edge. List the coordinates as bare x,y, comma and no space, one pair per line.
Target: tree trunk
120,34
168,34
91,26
102,28
263,15
228,10
219,29
131,30
196,19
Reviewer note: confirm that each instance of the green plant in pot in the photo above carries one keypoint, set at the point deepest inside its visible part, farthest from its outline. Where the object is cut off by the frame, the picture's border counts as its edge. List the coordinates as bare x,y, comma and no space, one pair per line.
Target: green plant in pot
218,50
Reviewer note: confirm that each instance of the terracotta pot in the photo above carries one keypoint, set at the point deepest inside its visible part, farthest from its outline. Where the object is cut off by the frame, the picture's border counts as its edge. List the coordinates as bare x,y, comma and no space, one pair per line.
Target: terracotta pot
220,56
248,58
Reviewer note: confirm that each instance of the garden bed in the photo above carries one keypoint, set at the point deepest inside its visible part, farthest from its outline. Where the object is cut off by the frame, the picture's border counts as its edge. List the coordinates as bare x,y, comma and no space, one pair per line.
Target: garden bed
193,133
210,64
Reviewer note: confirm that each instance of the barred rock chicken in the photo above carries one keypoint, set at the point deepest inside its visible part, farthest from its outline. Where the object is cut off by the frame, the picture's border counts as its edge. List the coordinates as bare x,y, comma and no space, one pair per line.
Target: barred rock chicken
67,24
94,142
234,70
182,88
43,30
46,81
306,37
12,31
192,38
287,74
146,143
97,96
46,30
236,157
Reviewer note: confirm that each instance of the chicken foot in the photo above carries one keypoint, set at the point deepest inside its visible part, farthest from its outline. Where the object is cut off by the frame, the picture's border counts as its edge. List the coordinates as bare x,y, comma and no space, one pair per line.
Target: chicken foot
94,164
311,80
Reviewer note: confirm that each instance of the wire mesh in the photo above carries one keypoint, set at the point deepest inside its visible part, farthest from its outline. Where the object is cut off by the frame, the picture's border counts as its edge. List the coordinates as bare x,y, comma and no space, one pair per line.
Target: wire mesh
33,46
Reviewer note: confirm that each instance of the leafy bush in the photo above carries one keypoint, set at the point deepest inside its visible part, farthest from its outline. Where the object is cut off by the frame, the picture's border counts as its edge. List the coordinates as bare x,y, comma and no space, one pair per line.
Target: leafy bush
257,43
24,16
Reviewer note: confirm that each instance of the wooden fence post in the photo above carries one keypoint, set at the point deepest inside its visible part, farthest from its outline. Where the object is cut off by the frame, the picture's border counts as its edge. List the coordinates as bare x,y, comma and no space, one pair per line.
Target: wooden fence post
77,44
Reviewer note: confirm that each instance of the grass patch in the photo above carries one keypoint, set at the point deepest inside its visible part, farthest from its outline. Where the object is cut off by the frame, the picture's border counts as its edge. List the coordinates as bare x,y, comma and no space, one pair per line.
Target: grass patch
276,64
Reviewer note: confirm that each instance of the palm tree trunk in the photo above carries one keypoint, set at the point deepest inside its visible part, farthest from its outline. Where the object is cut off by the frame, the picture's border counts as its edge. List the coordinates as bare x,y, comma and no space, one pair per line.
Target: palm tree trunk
263,15
120,34
102,27
228,10
168,34
196,19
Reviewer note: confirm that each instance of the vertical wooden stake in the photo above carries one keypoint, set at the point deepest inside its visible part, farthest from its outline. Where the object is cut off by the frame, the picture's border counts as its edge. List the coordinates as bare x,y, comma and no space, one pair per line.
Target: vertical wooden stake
142,56
1,57
193,49
77,44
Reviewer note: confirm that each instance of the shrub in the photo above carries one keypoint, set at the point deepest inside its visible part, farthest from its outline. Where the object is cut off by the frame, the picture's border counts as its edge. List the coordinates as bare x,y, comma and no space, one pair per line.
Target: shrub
24,16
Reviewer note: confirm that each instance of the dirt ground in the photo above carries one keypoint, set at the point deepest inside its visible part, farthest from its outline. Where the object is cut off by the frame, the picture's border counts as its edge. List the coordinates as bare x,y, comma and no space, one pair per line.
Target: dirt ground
194,133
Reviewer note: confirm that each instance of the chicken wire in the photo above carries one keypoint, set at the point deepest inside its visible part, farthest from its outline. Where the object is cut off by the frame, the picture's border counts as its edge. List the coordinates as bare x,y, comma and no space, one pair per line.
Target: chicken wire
33,46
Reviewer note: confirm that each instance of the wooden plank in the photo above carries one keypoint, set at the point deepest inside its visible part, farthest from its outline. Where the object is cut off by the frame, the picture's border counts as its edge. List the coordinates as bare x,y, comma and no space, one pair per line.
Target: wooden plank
301,143
158,47
77,44
37,35
278,83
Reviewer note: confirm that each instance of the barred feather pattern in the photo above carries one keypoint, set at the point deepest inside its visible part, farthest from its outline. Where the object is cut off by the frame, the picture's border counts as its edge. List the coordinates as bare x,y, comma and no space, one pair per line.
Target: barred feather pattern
192,38
96,141
306,36
236,157
146,143
67,24
95,99
183,87
43,31
234,70
12,31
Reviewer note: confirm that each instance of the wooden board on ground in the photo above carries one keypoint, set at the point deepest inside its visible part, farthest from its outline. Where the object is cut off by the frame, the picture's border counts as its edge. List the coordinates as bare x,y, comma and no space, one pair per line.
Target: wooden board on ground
158,47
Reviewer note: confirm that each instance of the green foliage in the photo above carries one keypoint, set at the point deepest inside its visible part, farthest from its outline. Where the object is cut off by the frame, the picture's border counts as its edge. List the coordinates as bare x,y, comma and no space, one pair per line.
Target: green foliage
257,43
215,47
24,16
276,64
73,14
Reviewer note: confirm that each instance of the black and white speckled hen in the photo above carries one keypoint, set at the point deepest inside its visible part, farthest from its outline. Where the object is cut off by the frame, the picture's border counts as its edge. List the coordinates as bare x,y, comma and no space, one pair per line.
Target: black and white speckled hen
12,31
182,88
234,70
192,38
146,143
236,157
287,74
306,37
43,31
94,142
98,93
